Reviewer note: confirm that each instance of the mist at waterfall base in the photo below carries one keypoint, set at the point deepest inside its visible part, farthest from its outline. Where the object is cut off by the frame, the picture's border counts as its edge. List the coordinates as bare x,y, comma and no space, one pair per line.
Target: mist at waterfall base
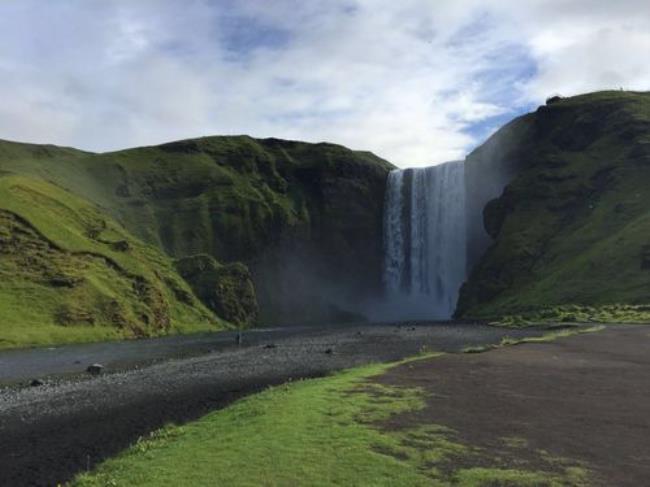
424,242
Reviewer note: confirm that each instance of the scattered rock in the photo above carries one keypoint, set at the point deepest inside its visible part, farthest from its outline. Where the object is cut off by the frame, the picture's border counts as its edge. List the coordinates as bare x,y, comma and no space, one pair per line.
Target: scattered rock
95,369
72,314
121,246
63,281
36,383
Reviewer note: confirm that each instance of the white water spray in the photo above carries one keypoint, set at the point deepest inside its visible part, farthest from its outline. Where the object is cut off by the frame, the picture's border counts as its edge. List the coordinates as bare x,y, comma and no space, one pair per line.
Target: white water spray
424,241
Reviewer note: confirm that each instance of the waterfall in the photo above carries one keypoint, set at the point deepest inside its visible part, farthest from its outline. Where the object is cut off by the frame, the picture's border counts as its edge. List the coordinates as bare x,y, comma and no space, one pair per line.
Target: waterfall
424,241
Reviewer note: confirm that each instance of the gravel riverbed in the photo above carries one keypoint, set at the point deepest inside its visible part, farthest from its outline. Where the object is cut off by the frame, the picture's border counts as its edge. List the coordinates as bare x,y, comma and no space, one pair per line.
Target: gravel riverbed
51,432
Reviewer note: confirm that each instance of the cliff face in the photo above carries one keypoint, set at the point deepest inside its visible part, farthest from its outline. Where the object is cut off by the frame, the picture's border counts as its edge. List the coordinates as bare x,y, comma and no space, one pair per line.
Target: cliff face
305,219
569,232
487,171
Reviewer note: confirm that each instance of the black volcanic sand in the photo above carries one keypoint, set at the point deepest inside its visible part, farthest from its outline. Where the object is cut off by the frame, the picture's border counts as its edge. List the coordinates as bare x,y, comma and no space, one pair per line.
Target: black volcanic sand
585,398
51,432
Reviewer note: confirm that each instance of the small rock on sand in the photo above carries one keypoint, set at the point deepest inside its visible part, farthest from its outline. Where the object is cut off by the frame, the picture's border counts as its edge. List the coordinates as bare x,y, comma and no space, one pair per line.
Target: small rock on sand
95,369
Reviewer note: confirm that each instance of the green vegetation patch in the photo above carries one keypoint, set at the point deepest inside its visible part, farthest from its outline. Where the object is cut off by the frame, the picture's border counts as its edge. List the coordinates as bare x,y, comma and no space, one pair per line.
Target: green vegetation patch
547,337
315,432
227,290
264,203
571,228
70,273
567,314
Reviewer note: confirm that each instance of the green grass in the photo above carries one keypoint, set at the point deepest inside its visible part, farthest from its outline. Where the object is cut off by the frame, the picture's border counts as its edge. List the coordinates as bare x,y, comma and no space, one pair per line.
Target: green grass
315,432
70,273
550,336
483,477
567,314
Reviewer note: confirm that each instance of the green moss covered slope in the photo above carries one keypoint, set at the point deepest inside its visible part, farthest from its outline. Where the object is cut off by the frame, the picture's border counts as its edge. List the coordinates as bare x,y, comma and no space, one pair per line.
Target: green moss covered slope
571,230
71,273
295,227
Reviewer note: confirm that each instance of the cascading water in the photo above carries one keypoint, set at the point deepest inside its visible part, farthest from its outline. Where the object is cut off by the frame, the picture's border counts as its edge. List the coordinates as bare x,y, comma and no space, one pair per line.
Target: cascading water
424,241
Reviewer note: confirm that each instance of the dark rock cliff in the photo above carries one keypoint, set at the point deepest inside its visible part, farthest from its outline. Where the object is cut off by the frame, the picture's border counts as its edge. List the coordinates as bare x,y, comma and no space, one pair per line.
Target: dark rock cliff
225,289
305,218
571,217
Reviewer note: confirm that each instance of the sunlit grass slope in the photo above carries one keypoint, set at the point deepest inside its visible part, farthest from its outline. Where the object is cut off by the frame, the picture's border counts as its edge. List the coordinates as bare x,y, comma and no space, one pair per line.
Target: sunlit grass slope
214,206
225,196
316,432
237,199
572,229
70,273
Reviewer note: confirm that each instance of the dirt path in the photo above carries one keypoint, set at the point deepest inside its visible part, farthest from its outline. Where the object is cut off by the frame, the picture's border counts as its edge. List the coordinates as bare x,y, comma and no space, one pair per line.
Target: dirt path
51,432
585,398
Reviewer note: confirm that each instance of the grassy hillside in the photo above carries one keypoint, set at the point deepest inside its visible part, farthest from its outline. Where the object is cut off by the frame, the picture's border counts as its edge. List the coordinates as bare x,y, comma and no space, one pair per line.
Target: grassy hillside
572,228
70,273
305,219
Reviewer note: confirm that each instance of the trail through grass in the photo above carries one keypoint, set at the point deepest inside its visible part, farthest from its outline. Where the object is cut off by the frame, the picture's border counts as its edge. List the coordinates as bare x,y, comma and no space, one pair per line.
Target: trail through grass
314,432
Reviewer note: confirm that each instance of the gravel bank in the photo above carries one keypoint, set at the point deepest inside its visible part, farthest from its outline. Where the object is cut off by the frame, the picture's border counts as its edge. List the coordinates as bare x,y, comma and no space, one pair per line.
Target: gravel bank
49,433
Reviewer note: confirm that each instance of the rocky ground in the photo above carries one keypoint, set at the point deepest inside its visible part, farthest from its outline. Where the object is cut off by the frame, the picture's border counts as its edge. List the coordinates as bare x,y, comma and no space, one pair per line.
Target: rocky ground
52,431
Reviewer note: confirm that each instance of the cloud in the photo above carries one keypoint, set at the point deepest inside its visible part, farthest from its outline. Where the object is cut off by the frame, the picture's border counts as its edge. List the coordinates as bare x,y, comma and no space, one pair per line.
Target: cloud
417,82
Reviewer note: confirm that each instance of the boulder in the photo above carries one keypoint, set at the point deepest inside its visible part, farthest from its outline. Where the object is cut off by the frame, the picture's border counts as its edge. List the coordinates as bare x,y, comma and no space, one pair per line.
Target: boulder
121,246
95,369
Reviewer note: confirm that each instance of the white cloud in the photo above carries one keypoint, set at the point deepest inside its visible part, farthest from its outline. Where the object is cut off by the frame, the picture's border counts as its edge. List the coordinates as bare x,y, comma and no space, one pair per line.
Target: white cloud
409,80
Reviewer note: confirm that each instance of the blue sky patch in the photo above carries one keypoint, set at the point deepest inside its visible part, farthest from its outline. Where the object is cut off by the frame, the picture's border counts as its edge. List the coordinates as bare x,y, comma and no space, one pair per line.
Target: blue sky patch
241,35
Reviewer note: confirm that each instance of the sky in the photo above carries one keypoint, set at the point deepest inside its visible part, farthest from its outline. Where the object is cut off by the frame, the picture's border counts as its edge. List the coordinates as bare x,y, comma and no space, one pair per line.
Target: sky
417,82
